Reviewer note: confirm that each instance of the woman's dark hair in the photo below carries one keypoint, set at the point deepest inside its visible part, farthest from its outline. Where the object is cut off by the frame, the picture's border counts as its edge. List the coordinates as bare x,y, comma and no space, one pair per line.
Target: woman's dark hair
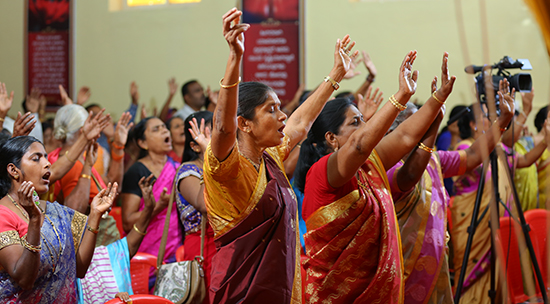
168,123
540,118
188,153
12,151
138,132
251,95
464,124
315,145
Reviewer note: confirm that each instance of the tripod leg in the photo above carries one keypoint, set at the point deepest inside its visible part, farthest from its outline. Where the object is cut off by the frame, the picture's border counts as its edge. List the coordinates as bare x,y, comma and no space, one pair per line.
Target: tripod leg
495,215
471,232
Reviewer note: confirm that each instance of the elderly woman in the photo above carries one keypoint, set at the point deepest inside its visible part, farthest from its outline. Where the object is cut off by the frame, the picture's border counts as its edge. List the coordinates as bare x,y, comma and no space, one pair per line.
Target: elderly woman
82,183
250,203
45,246
154,141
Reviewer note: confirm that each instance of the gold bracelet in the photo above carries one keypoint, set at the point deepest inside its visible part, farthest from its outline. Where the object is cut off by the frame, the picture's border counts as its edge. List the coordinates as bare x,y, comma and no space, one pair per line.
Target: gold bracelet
335,84
396,104
92,230
30,247
85,176
231,85
67,156
1,119
437,99
425,148
137,230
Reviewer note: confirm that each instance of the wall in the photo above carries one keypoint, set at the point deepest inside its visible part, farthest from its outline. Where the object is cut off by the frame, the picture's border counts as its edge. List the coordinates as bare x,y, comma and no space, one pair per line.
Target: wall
149,46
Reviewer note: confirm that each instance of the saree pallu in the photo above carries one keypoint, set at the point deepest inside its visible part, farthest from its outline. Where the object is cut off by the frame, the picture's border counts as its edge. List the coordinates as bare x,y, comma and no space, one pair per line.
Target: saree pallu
56,280
477,278
151,241
422,216
526,179
257,260
543,171
353,245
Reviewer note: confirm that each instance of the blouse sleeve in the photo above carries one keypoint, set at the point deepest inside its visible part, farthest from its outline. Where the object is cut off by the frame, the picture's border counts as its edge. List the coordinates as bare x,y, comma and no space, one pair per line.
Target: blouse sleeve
11,228
130,183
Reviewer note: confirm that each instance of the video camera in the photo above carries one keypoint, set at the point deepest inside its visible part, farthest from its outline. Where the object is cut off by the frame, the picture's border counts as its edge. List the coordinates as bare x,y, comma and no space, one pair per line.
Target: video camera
520,81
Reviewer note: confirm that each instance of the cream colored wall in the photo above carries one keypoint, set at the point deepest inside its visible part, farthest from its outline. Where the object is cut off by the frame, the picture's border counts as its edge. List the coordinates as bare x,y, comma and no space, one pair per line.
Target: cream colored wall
151,45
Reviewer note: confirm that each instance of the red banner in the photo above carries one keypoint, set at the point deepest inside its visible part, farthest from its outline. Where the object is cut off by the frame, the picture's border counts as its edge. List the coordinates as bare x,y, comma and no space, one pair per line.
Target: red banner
271,57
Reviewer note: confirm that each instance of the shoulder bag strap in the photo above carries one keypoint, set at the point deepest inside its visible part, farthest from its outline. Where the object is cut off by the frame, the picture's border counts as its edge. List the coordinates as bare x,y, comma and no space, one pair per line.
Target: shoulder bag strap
164,239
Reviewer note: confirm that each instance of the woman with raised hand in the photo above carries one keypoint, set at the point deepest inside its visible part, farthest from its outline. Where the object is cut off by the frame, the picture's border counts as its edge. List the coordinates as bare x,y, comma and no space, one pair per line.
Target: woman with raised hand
421,205
45,246
250,203
352,243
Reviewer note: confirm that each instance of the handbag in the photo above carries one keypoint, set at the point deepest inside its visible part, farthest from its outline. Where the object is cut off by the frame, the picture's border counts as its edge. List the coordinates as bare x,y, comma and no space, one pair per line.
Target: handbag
180,282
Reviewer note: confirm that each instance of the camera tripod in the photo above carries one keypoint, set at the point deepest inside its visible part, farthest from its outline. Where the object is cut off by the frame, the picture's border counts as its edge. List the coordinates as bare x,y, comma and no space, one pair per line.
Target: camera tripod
494,209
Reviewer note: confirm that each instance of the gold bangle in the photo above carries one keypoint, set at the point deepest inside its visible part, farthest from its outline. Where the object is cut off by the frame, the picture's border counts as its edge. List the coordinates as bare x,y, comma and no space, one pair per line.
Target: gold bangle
437,99
425,148
335,84
85,176
92,230
137,230
30,247
396,104
1,119
231,85
67,156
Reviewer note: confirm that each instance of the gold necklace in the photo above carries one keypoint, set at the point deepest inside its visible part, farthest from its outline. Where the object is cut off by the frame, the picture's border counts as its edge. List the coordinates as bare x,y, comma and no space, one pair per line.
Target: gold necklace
50,249
256,166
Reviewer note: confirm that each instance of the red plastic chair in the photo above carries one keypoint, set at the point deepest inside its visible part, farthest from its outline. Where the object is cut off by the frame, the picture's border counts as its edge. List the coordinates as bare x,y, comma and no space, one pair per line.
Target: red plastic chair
142,298
538,221
140,267
508,241
179,254
116,212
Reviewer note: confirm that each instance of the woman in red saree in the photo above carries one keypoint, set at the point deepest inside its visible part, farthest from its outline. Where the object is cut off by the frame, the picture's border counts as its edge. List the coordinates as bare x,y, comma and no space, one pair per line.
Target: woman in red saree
353,242
251,206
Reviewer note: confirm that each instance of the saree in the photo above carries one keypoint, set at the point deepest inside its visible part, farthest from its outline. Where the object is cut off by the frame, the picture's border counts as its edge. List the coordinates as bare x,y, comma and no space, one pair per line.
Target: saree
543,171
108,274
151,241
257,253
477,278
422,216
56,280
525,179
353,245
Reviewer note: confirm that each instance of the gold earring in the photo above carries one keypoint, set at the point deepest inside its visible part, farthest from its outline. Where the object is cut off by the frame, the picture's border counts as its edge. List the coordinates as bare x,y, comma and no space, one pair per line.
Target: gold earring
16,176
336,149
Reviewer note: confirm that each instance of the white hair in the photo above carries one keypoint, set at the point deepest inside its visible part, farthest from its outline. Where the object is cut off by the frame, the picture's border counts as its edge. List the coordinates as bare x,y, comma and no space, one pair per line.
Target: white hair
68,120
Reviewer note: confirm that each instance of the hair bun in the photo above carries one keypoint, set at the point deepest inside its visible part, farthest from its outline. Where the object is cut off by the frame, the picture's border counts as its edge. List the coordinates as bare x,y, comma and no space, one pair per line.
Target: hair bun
60,133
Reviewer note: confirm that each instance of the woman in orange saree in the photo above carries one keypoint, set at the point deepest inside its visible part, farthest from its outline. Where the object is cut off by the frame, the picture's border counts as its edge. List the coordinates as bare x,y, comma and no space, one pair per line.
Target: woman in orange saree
353,243
250,203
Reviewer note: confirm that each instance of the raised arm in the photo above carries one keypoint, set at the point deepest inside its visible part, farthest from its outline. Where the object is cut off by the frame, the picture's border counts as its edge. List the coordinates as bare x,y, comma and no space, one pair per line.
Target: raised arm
369,104
370,78
398,143
172,89
5,103
135,236
513,134
224,130
300,121
79,198
101,203
116,166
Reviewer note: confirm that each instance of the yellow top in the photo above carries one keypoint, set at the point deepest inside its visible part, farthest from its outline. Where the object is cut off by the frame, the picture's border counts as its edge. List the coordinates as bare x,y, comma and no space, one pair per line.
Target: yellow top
233,187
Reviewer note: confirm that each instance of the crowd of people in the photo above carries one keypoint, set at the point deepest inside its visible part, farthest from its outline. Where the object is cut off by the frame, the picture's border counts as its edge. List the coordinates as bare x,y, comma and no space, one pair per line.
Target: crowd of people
315,200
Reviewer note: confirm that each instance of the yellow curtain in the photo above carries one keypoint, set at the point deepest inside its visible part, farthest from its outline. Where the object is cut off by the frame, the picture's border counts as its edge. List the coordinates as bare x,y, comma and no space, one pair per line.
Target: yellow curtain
541,10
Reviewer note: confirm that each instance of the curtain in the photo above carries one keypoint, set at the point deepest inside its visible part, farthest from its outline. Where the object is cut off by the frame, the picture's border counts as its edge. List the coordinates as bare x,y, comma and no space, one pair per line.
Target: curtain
541,10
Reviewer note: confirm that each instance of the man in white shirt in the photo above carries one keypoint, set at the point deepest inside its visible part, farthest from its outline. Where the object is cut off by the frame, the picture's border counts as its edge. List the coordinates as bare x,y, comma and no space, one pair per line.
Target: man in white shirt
193,97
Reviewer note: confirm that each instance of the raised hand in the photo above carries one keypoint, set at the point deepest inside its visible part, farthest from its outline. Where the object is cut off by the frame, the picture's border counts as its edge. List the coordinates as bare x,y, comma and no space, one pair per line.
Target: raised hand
146,186
447,81
506,104
201,135
172,86
546,130
343,56
94,124
233,31
134,93
352,71
527,101
369,64
25,195
104,199
408,77
212,95
5,100
122,127
83,95
65,100
23,125
32,102
91,153
370,103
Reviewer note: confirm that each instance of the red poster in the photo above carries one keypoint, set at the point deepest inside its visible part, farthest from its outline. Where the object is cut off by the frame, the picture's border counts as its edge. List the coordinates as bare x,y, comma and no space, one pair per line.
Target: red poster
48,47
272,57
